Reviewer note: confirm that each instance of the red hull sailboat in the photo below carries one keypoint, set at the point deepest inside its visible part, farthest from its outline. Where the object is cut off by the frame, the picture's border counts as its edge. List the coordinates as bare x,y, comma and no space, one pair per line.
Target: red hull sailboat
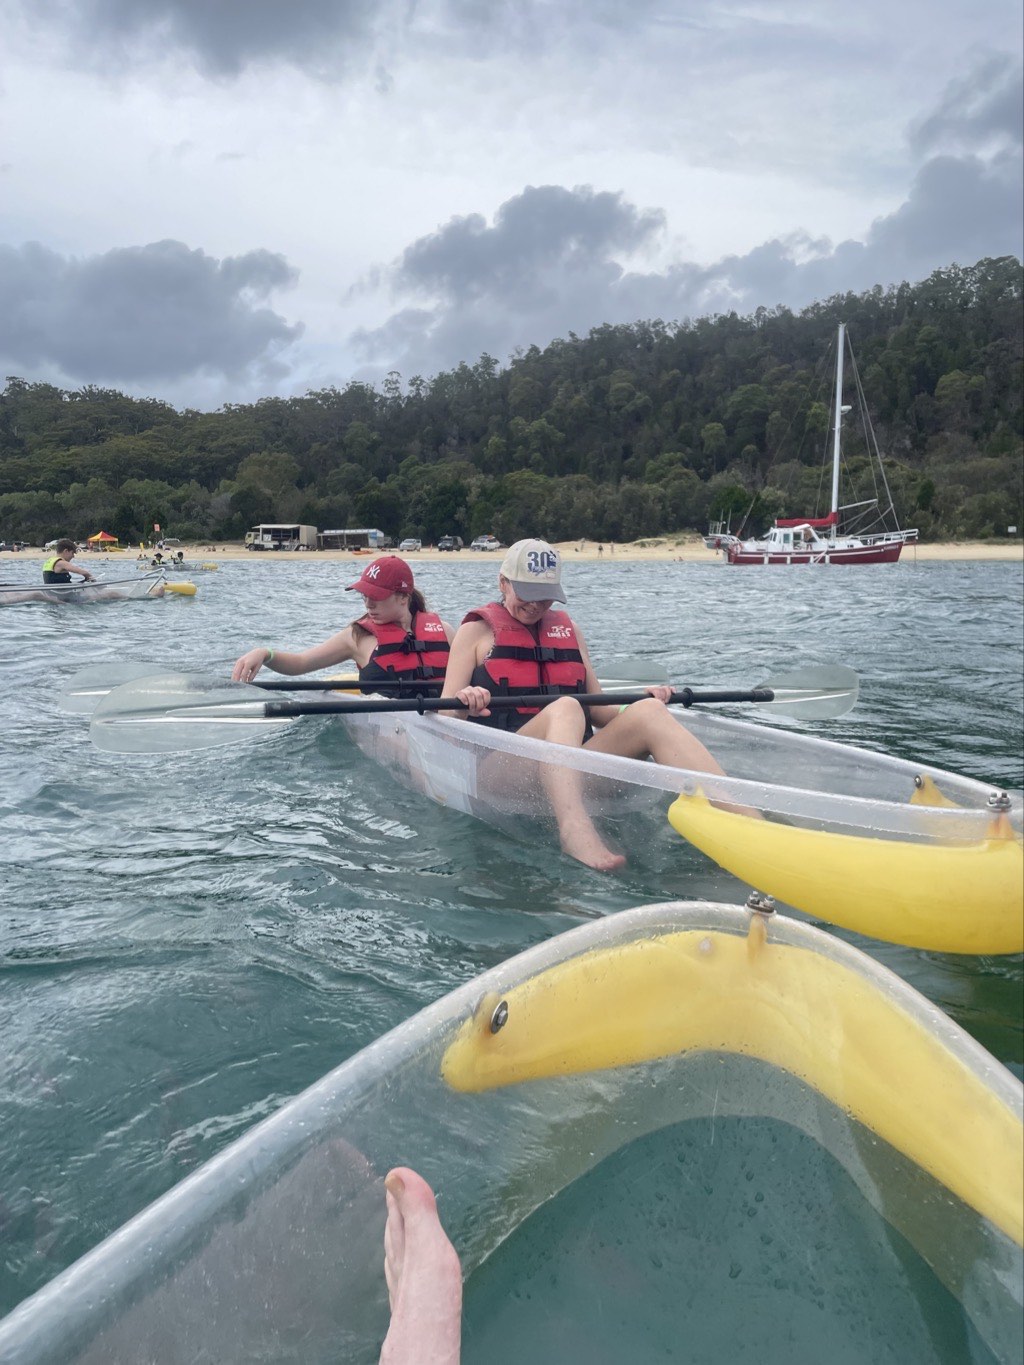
818,540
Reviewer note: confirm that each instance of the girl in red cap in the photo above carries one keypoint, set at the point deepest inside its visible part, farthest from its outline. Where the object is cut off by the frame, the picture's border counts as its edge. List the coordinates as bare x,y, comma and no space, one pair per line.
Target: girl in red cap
396,639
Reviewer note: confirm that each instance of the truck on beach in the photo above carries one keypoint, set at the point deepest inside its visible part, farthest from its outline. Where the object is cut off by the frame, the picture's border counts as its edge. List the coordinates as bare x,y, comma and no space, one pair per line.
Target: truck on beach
274,535
355,538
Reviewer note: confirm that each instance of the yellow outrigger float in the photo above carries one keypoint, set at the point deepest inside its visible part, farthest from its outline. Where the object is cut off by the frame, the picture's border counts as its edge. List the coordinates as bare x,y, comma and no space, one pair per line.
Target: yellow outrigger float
963,896
795,1147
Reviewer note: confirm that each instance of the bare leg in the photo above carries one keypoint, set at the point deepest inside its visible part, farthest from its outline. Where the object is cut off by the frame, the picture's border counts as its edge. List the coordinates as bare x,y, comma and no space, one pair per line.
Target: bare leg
424,1277
648,727
563,722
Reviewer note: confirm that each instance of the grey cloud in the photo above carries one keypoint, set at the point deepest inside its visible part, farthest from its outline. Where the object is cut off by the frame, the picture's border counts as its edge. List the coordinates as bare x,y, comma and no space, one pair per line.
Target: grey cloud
551,264
986,104
221,36
328,38
547,261
156,312
545,228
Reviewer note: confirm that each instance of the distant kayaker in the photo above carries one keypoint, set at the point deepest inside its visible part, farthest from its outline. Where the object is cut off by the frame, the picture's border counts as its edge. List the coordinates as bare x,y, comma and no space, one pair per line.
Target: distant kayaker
519,644
396,639
59,567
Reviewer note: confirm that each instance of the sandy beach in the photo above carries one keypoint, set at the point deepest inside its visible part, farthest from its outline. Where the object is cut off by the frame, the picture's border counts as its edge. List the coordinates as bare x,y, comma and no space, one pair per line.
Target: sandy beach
687,549
684,549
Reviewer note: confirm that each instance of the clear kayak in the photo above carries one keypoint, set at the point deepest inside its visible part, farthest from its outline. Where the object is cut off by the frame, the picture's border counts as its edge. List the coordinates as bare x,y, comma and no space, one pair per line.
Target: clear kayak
893,849
108,590
181,566
838,1171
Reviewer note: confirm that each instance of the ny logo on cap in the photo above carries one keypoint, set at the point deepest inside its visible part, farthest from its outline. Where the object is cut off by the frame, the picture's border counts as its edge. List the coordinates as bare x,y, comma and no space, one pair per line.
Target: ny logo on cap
372,571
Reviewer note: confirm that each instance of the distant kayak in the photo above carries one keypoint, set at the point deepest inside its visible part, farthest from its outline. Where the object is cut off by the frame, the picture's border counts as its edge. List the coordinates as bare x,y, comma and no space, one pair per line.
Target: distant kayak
697,1021
181,566
105,590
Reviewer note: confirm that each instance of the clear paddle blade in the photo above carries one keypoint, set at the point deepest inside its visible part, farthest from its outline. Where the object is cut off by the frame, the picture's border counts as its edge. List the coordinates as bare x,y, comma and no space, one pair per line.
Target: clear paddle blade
83,693
624,674
820,692
176,713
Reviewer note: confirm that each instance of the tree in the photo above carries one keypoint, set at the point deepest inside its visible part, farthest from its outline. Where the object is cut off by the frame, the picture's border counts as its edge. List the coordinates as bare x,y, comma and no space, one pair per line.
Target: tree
713,442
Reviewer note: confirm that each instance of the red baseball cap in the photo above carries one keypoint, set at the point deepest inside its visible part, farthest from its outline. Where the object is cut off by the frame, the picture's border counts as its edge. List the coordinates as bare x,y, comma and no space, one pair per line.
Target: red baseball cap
382,577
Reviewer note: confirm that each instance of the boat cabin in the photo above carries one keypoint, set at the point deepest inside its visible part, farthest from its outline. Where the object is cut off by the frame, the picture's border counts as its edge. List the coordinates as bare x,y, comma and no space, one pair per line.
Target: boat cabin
790,538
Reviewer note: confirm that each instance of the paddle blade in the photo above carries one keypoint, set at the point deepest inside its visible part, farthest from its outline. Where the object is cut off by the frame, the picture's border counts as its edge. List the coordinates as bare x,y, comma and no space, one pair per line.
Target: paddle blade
625,674
174,713
83,693
819,692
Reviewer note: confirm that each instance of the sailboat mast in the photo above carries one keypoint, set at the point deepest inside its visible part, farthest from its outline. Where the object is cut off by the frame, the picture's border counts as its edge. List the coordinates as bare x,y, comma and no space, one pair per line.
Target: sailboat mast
840,348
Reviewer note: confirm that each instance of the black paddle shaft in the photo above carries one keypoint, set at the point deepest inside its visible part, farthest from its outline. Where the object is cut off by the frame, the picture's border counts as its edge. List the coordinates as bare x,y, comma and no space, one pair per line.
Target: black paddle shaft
401,686
329,706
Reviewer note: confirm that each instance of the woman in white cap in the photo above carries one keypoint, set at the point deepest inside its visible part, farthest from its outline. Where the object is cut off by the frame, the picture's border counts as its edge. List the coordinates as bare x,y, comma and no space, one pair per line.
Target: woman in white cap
519,644
396,639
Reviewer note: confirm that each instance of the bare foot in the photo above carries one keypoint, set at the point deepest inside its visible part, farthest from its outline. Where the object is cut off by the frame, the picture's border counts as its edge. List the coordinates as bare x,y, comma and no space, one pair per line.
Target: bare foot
581,841
424,1277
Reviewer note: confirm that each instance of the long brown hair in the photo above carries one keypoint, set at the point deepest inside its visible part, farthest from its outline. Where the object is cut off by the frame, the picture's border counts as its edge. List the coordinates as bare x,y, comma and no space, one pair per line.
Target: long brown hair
417,603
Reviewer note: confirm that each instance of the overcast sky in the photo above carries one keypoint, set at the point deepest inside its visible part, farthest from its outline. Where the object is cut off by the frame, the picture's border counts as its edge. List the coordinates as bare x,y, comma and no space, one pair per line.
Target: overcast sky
213,200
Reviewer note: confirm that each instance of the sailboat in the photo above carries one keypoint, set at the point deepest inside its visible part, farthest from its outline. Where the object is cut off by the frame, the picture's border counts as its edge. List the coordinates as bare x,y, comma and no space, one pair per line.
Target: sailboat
818,540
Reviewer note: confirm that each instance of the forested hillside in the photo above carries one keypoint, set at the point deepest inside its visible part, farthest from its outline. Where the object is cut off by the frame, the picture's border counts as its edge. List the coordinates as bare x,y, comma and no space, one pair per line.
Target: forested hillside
628,432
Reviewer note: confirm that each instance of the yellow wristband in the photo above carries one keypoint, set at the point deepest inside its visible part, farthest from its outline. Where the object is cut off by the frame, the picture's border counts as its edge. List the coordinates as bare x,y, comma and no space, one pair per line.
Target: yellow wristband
623,707
270,654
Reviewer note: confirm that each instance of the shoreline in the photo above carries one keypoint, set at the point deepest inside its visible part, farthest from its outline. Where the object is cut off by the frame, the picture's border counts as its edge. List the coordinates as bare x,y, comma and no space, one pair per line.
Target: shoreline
688,549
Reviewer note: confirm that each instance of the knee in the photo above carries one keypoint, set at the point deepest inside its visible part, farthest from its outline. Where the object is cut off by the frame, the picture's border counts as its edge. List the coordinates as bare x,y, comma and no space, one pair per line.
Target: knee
649,712
566,711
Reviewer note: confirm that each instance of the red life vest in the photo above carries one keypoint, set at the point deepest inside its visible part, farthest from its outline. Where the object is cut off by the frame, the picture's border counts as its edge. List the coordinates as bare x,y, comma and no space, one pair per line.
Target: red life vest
413,655
544,658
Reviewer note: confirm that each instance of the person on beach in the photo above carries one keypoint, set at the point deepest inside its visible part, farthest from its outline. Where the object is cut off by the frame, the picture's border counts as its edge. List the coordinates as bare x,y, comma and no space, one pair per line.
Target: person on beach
423,1275
396,639
59,566
519,644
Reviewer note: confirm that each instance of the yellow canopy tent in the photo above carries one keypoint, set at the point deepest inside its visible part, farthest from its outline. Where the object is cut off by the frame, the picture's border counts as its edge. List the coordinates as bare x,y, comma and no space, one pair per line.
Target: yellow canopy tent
102,541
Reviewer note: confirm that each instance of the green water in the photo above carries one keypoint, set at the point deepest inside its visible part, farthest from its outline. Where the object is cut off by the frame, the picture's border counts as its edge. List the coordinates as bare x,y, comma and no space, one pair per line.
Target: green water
727,1240
188,941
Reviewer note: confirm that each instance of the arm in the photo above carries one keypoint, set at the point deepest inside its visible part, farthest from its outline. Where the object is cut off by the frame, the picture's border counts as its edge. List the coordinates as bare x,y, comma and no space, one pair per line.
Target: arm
471,643
69,566
603,715
336,650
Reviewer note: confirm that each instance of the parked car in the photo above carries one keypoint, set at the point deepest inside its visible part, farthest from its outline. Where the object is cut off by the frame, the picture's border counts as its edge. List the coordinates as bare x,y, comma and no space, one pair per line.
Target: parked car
411,544
450,543
486,543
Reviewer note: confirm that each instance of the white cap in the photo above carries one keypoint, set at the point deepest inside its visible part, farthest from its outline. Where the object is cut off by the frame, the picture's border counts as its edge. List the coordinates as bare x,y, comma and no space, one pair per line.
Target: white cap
534,568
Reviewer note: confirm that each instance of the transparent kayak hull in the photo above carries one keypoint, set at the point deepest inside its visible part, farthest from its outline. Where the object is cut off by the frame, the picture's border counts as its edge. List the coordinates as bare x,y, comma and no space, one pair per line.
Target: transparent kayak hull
109,590
893,849
667,1015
